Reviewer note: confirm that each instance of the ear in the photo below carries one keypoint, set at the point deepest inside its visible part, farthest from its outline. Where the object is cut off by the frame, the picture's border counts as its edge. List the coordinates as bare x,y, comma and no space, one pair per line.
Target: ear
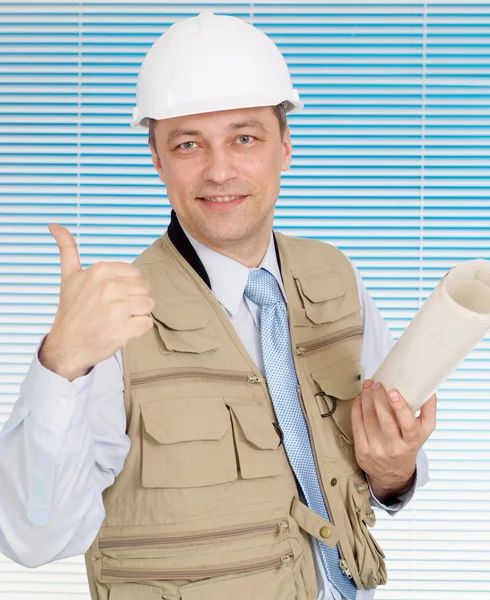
287,149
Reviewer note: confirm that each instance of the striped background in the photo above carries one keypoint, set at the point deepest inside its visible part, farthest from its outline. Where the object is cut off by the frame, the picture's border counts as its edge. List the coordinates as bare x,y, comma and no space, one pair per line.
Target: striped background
391,163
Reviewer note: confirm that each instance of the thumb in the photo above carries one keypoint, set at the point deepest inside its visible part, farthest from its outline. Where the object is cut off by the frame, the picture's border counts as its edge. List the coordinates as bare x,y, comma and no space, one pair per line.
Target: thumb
428,415
69,258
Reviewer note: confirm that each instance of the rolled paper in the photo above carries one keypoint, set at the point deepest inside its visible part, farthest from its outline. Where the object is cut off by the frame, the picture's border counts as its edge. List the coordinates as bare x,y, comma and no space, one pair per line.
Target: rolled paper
451,322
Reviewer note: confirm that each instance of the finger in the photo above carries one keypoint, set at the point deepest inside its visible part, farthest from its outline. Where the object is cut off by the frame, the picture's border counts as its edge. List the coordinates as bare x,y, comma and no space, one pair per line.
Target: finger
138,326
69,257
123,269
360,438
369,416
427,417
140,305
387,420
408,423
122,289
135,286
114,269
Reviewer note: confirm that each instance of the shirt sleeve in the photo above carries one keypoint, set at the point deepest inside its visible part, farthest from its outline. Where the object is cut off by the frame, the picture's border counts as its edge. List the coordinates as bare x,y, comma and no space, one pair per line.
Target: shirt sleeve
376,345
62,445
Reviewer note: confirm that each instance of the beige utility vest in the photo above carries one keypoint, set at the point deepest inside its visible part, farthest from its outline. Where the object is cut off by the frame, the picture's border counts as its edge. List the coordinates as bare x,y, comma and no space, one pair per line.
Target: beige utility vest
206,507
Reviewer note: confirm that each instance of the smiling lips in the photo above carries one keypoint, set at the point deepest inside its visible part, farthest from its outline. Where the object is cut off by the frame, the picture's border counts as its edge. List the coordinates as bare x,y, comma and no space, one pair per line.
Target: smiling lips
220,198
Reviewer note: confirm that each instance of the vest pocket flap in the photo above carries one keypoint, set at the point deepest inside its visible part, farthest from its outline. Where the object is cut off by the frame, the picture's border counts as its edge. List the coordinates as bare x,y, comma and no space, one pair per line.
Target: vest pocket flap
181,314
270,584
339,385
324,295
256,441
323,284
186,419
183,326
134,591
342,381
256,426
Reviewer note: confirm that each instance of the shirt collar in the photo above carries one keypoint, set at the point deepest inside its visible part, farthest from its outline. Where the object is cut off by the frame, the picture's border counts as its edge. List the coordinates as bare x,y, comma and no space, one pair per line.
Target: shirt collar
229,277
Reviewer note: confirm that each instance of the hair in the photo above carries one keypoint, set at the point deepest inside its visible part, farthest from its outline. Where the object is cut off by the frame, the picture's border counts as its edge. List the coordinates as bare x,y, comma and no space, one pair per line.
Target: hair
279,110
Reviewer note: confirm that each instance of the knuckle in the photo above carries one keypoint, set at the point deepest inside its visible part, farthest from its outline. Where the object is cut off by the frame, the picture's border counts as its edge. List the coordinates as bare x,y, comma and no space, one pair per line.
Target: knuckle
392,452
108,290
136,272
100,268
379,452
411,431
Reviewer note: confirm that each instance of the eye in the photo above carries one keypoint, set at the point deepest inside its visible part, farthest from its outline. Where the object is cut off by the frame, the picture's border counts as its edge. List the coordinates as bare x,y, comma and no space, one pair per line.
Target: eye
187,145
245,139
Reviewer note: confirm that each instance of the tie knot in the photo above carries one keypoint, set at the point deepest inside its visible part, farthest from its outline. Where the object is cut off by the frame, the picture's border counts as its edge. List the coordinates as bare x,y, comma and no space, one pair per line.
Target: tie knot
262,288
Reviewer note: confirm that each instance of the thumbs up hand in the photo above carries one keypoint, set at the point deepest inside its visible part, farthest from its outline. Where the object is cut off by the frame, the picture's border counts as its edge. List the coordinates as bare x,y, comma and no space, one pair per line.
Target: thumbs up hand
100,309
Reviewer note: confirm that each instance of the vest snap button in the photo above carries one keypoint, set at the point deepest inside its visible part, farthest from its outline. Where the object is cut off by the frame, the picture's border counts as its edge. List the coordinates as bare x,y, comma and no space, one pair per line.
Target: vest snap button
333,483
325,532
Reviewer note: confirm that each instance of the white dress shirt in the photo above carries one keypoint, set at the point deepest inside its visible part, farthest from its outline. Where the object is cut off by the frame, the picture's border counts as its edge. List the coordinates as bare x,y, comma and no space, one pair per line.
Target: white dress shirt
64,443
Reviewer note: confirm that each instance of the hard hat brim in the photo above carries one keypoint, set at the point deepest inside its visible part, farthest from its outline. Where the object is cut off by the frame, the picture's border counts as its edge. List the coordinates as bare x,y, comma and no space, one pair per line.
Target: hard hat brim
141,119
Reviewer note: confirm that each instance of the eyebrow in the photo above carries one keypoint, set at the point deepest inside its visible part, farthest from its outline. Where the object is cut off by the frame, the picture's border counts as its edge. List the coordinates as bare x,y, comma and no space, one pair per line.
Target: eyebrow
255,123
176,133
181,132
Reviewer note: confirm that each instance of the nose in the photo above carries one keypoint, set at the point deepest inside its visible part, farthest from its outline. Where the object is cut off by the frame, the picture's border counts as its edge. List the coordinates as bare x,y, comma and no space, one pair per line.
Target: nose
219,167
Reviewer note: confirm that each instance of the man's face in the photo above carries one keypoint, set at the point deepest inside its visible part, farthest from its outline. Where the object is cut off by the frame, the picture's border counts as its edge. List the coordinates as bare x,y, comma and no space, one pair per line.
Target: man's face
222,172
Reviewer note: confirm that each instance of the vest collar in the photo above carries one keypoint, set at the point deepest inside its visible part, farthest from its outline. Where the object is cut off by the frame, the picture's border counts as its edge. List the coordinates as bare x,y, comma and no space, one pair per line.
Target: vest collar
184,247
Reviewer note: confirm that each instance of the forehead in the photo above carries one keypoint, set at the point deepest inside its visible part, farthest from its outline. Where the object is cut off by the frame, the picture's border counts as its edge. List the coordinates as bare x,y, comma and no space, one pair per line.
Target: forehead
218,122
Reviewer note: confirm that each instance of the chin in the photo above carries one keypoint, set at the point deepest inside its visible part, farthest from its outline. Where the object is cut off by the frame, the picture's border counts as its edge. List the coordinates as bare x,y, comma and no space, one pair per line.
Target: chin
227,235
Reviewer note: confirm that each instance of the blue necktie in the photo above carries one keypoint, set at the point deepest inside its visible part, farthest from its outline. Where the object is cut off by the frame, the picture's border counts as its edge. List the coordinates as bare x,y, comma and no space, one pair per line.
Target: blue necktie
263,289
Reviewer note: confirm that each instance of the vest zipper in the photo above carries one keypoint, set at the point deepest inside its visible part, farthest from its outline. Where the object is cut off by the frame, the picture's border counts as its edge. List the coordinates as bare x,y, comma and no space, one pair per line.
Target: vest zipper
327,340
182,372
279,560
343,565
156,540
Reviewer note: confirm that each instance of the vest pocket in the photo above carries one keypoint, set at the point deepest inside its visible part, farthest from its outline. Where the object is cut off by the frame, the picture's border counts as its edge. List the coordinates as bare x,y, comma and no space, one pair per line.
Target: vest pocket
256,441
187,442
133,591
277,584
183,326
368,555
255,558
112,570
324,295
339,384
332,339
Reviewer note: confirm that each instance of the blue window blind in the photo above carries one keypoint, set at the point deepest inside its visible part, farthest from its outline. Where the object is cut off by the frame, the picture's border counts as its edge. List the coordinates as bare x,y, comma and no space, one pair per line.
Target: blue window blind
391,164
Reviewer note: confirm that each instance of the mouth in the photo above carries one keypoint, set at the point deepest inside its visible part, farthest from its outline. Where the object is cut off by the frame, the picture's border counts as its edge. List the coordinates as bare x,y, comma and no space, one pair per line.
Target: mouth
220,198
222,204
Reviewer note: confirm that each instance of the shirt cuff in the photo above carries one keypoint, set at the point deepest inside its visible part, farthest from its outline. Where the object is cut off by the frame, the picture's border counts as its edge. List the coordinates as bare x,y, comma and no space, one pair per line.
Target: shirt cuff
421,479
51,399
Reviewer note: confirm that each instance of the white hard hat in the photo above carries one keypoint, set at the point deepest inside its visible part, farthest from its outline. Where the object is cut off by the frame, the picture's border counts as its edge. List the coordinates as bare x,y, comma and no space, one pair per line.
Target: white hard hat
209,63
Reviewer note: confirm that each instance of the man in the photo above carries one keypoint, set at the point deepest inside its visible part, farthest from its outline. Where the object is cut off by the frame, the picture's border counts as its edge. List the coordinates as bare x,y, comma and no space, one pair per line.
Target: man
243,354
